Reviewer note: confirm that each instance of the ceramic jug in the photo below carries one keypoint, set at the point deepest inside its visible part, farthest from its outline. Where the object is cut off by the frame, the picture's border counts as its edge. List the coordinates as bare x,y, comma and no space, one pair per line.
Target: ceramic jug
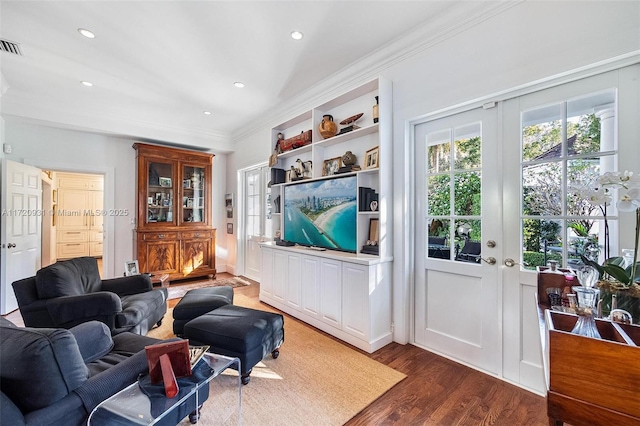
327,127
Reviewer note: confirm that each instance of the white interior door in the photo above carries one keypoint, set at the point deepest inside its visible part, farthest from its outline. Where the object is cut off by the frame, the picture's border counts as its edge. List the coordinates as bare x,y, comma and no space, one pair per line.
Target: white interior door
256,216
21,224
458,201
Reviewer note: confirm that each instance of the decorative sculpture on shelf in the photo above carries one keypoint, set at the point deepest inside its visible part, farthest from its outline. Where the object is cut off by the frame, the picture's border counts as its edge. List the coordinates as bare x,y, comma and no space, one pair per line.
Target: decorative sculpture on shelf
304,169
350,122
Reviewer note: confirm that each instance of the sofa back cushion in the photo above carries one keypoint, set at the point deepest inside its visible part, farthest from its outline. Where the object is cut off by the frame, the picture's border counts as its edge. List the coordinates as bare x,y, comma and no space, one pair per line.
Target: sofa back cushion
39,366
71,277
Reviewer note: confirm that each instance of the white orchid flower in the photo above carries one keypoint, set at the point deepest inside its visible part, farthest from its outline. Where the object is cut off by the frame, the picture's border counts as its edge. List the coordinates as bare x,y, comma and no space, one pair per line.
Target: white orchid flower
629,201
609,178
597,197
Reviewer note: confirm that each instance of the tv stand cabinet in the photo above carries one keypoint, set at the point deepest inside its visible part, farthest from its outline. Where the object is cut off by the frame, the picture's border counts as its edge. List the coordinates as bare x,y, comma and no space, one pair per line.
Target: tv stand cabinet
343,294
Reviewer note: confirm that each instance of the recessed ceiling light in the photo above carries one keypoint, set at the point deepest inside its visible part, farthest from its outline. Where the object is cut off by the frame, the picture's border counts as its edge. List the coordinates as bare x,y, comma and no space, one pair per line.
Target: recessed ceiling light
86,33
239,84
87,83
296,35
207,112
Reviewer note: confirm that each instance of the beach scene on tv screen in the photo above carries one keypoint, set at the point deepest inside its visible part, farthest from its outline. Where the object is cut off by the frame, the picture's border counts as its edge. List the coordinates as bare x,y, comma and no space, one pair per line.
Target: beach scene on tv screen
322,213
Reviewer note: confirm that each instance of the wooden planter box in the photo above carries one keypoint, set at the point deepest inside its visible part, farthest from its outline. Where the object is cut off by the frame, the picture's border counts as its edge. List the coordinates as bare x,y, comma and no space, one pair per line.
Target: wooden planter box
590,381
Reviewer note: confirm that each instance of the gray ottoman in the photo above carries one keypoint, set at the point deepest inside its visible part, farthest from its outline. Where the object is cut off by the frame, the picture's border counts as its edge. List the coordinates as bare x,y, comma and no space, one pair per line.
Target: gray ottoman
230,330
197,302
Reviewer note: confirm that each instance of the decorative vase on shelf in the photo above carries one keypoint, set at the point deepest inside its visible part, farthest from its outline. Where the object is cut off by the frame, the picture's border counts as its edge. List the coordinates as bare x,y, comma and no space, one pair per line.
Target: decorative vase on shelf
327,127
348,159
586,324
375,111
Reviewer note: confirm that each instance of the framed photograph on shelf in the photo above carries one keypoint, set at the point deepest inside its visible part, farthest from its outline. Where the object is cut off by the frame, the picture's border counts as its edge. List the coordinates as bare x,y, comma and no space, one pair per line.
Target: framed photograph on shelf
372,158
331,166
165,182
131,268
374,230
186,183
229,228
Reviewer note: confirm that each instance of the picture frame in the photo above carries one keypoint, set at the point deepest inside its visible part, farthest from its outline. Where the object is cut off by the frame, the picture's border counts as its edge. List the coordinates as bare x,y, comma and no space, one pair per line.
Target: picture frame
374,230
165,182
331,166
228,205
167,362
131,268
229,228
372,158
186,184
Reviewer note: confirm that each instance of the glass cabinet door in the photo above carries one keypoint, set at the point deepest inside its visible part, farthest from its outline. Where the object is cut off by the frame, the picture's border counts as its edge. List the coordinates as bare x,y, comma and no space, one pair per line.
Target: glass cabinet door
160,192
193,191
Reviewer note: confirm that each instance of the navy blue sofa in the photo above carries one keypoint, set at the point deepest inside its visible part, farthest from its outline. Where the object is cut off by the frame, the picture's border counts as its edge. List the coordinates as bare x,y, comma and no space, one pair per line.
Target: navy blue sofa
52,376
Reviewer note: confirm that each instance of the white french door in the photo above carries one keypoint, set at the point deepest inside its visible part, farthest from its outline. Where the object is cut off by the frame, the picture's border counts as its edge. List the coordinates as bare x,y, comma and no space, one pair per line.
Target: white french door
458,238
560,168
256,218
485,315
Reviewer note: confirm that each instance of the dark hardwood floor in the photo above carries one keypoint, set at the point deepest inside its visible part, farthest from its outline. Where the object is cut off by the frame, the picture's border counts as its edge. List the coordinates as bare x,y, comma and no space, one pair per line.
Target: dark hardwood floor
437,391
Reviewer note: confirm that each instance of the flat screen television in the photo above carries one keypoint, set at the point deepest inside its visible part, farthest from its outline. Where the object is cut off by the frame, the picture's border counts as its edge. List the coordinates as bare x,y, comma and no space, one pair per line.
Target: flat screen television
322,213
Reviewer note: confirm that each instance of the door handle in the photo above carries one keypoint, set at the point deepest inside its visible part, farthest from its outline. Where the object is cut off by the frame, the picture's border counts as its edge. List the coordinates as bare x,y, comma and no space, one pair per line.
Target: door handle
490,260
509,262
11,245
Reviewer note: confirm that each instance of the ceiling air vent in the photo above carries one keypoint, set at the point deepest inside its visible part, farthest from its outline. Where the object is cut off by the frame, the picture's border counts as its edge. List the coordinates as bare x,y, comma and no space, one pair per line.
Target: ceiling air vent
10,47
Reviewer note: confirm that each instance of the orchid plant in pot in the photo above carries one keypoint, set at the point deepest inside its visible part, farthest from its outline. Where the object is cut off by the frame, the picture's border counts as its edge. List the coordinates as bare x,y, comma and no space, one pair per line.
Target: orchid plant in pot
616,277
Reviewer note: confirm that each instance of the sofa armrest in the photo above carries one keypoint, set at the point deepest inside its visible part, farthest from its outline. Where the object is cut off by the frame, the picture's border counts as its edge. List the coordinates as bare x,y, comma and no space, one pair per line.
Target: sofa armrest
68,311
108,382
10,414
93,339
125,286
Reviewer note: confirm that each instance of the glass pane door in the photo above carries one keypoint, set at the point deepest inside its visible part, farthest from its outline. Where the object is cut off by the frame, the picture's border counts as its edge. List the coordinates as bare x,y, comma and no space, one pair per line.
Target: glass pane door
193,193
160,192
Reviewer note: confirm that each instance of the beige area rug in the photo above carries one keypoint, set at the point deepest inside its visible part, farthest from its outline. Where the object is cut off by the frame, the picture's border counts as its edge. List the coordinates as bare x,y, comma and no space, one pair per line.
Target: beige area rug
176,291
314,381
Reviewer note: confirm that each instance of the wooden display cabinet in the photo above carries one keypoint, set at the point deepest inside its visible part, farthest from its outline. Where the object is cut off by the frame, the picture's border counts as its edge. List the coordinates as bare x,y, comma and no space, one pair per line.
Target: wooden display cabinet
173,234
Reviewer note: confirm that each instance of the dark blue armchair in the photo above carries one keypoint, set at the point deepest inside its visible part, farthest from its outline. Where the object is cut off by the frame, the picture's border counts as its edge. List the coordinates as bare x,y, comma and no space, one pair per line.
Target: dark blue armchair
70,292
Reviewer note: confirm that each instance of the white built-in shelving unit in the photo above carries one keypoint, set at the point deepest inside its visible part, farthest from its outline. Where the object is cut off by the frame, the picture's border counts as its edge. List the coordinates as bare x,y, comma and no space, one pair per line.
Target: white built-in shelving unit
347,295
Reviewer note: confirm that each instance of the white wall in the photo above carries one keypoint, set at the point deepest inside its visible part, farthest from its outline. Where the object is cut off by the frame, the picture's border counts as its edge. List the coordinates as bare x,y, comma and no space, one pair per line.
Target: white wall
528,42
80,151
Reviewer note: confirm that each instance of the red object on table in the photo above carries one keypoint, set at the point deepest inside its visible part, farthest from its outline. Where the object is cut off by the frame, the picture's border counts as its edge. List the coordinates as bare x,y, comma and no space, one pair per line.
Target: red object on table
166,362
169,379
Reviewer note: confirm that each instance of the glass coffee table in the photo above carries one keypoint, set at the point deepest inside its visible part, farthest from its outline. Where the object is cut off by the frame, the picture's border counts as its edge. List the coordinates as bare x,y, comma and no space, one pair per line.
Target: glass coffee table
132,406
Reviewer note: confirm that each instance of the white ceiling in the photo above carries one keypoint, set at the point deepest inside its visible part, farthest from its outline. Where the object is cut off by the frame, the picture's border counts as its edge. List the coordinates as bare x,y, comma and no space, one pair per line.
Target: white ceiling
157,65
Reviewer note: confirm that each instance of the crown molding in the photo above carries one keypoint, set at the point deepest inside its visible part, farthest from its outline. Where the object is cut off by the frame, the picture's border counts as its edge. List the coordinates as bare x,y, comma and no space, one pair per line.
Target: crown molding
118,126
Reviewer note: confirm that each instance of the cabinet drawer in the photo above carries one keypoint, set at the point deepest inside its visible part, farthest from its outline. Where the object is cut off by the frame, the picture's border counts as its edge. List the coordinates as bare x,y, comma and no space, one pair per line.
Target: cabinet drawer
95,248
69,250
159,236
96,236
195,234
72,236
